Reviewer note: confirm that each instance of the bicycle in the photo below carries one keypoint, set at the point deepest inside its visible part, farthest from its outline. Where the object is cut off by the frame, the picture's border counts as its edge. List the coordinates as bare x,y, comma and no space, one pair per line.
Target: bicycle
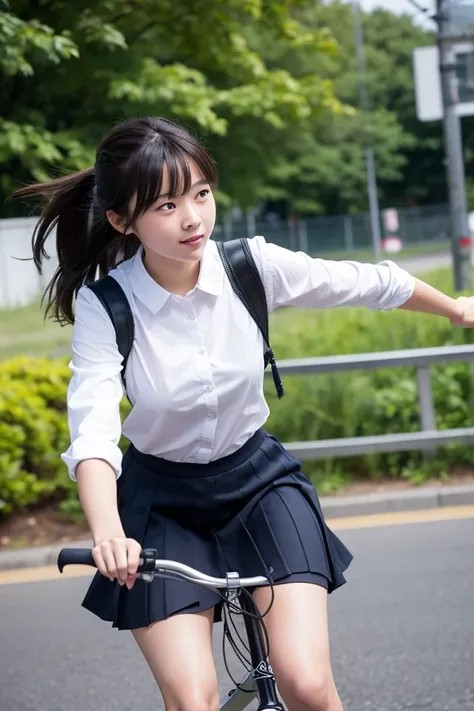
259,682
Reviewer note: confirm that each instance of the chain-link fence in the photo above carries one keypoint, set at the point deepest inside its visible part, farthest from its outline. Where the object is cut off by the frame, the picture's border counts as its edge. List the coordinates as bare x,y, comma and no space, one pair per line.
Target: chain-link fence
339,234
421,230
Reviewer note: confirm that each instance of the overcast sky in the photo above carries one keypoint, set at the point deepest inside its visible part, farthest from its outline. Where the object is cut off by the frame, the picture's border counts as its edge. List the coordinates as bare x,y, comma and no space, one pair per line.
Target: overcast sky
399,6
396,5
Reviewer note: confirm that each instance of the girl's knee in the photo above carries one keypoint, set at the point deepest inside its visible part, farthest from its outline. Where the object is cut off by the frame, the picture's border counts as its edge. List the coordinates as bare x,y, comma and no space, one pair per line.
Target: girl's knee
306,691
194,700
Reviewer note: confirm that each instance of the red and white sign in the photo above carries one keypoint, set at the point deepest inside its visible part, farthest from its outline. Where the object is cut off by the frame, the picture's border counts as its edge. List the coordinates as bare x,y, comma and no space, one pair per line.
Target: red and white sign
391,244
391,220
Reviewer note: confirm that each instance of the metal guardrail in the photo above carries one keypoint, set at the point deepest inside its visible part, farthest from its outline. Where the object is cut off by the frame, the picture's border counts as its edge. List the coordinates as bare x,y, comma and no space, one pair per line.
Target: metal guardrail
427,439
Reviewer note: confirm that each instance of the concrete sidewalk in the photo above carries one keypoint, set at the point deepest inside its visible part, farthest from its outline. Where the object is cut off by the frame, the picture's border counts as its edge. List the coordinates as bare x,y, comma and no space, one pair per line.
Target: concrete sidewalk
335,507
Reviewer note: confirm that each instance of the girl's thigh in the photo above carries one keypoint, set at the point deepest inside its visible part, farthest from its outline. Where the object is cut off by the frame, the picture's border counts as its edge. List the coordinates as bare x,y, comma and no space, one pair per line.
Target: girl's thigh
179,653
297,626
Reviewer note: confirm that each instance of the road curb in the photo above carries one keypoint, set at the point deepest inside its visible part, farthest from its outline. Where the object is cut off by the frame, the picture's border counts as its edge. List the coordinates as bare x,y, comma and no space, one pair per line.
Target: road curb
20,558
334,507
408,500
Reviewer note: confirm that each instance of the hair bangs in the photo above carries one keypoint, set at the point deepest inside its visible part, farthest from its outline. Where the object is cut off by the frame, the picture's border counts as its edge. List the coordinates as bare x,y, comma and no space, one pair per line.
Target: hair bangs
179,172
144,177
163,160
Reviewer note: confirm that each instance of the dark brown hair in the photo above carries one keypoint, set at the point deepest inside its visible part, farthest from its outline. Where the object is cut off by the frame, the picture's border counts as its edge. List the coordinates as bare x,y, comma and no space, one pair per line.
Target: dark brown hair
129,162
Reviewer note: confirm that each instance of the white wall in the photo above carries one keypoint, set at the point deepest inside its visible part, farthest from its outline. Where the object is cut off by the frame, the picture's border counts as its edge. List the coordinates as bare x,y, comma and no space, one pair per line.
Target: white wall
20,283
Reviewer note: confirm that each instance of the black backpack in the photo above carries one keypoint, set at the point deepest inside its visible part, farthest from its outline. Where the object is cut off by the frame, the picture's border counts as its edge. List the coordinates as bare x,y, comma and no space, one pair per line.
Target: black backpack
245,280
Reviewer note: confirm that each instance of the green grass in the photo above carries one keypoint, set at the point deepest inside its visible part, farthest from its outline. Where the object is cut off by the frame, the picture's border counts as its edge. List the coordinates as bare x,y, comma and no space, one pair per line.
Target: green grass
367,255
24,331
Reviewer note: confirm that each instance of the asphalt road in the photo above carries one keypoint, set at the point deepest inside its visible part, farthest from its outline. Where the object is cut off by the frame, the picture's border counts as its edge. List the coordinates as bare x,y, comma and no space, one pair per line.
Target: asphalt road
402,633
423,263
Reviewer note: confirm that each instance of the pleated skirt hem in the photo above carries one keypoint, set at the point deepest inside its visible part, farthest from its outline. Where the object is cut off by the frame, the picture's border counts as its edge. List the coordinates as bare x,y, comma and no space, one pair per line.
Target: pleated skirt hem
254,513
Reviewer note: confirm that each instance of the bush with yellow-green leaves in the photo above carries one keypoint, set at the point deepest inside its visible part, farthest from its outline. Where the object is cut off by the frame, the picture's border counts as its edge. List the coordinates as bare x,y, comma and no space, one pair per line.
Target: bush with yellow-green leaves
33,429
33,433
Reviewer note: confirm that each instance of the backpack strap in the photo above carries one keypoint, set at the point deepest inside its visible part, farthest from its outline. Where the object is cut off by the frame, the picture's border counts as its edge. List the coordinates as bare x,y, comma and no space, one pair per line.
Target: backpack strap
245,280
113,298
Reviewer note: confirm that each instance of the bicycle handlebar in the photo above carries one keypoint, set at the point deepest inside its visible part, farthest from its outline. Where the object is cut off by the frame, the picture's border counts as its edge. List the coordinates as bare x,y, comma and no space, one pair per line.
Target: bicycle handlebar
75,556
150,566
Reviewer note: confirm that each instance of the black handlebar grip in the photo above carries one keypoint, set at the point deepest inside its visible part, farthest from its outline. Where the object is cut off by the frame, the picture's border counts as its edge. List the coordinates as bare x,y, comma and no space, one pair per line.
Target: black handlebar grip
75,556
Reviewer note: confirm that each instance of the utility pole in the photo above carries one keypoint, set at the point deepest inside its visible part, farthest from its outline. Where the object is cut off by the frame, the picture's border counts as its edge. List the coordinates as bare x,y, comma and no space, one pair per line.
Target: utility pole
461,245
369,153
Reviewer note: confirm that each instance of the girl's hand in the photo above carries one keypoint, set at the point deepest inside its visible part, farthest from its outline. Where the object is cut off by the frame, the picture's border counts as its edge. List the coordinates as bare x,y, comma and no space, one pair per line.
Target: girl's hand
118,558
466,315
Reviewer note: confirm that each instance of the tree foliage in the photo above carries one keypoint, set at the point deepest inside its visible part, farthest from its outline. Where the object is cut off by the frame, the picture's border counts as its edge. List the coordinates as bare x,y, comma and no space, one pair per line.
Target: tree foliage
325,170
270,86
70,70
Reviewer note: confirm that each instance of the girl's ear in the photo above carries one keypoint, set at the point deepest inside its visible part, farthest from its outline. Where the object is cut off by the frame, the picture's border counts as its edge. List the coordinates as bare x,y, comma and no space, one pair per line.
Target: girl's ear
118,222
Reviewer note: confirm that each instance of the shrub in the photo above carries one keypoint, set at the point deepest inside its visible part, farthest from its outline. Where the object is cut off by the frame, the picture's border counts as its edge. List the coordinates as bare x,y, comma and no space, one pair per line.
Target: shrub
34,432
370,402
33,429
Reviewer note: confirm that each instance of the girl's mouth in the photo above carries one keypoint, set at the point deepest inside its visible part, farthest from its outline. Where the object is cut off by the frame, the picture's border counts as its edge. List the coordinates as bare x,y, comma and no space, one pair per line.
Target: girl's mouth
193,241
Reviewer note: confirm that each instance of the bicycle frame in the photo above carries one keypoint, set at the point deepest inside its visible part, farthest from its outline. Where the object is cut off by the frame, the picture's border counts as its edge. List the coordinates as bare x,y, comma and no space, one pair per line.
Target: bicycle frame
260,683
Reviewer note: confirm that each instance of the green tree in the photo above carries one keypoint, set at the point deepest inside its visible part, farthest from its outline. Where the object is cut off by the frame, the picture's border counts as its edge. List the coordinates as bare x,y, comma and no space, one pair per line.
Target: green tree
267,84
324,170
69,70
391,40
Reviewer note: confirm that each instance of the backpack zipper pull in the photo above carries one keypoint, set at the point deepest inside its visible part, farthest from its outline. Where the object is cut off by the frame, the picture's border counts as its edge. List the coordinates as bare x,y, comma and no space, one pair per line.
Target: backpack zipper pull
275,374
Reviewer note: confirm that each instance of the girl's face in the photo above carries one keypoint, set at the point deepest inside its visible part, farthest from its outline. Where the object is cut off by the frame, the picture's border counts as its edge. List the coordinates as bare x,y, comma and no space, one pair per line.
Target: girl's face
178,228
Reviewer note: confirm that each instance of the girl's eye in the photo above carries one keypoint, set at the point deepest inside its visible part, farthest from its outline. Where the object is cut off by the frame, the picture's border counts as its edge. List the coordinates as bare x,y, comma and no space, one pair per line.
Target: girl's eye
167,206
204,193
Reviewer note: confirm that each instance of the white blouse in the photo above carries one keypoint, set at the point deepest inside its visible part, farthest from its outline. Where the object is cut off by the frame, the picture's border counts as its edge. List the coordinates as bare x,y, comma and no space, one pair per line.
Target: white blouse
195,372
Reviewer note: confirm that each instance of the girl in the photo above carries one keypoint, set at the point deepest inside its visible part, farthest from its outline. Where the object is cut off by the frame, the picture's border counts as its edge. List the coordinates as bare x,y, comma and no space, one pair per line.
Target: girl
201,481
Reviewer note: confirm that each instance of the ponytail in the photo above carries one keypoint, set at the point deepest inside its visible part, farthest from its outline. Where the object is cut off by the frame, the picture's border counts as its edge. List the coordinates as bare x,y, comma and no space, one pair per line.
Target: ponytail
129,167
86,242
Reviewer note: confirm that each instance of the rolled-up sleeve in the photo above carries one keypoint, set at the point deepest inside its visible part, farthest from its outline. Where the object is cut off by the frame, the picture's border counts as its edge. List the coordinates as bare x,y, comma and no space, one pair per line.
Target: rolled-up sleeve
95,390
296,279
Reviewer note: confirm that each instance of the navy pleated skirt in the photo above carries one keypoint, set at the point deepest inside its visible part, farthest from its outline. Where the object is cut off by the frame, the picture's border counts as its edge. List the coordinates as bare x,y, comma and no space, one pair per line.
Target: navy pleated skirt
253,512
